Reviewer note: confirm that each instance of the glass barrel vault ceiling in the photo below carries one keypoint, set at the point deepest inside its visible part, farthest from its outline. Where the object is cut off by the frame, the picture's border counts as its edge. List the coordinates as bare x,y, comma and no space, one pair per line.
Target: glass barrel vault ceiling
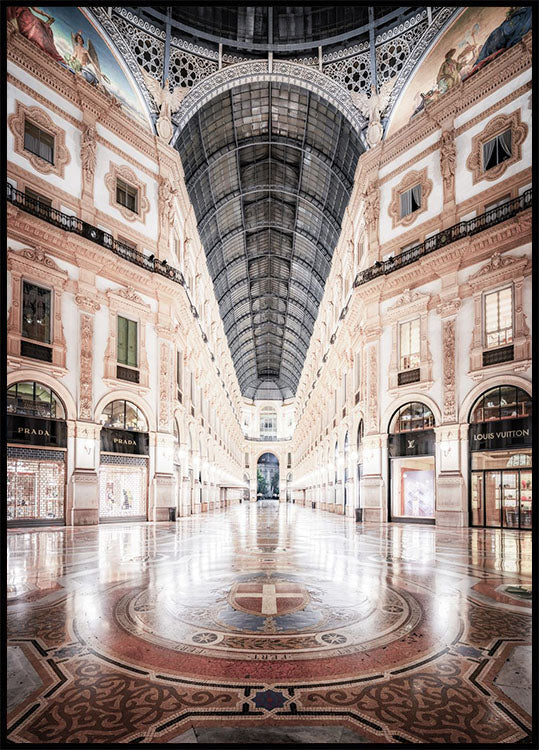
269,169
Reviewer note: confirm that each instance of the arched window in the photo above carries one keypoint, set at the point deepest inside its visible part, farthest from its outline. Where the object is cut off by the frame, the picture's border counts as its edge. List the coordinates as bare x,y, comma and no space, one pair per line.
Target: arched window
502,402
360,432
268,422
32,399
412,417
123,415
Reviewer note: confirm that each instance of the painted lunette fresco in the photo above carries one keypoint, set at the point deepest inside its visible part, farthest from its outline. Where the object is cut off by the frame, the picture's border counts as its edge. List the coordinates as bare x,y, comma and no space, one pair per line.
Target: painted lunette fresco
71,37
473,40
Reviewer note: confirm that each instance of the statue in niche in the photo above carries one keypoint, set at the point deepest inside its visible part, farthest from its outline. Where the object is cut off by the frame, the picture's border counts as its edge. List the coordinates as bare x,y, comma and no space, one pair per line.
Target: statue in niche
166,193
167,101
87,152
372,108
448,159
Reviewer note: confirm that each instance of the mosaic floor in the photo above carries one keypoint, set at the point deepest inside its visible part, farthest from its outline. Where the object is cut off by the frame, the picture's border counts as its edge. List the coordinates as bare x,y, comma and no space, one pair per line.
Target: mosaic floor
272,617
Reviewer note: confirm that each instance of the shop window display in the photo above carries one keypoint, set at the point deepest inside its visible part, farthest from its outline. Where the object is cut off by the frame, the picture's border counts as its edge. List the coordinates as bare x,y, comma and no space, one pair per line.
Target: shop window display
501,459
412,463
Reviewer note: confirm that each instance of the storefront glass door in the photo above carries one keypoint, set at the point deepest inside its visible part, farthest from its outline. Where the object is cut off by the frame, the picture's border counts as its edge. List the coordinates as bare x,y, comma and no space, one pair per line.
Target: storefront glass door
525,499
35,490
501,499
122,491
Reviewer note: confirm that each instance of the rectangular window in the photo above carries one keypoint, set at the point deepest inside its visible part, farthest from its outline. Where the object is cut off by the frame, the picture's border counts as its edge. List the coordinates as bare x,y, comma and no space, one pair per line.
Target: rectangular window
41,200
409,344
497,150
410,200
36,313
127,195
357,371
38,142
498,318
127,342
246,460
127,243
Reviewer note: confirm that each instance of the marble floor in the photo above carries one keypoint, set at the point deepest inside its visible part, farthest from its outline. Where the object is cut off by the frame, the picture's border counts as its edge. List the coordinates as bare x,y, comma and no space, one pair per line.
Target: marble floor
268,623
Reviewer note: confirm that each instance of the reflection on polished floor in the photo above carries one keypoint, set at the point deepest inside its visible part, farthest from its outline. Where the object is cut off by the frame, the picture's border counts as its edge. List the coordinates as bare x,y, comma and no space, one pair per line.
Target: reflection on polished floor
269,617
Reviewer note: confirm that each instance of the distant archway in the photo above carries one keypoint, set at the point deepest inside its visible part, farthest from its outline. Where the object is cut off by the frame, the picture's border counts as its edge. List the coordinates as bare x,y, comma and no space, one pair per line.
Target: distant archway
267,473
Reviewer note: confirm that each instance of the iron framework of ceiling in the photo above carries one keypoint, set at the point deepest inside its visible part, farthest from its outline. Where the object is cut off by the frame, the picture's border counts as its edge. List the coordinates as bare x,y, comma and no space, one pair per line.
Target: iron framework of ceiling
269,169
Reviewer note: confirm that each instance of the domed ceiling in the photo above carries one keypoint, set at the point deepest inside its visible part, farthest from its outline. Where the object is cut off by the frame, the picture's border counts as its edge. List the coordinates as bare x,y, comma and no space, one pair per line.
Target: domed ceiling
269,160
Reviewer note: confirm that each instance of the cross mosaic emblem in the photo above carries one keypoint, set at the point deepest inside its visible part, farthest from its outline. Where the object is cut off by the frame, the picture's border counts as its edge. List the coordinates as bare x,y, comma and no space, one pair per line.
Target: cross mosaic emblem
268,598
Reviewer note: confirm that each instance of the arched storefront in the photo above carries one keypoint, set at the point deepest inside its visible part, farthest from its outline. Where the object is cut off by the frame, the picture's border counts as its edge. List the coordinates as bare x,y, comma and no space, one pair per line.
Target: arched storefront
267,472
500,440
123,471
36,455
360,431
412,464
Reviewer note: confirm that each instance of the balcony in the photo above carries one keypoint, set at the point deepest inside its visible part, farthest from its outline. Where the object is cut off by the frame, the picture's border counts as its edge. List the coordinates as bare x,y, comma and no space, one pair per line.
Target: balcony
380,268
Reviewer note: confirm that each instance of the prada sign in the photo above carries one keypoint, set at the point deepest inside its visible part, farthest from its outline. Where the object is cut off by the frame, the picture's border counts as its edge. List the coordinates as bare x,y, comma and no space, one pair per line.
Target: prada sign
501,434
34,431
124,441
418,443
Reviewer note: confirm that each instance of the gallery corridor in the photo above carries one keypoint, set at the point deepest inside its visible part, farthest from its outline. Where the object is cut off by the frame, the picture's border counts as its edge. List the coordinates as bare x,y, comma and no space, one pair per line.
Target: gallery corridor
266,622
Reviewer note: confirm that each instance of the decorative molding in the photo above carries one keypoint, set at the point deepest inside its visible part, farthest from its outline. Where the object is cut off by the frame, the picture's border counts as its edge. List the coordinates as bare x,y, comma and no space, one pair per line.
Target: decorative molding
87,304
130,294
448,160
88,145
166,373
32,264
86,366
410,305
41,119
494,127
449,386
411,179
500,270
126,173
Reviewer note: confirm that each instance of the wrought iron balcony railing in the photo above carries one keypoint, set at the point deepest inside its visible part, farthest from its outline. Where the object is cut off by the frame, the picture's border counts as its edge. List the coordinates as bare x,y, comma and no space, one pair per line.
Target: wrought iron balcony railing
463,229
381,268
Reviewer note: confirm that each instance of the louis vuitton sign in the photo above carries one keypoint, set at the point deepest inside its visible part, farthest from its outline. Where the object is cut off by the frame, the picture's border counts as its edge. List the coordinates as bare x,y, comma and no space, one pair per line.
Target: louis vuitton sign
124,441
34,431
416,443
501,434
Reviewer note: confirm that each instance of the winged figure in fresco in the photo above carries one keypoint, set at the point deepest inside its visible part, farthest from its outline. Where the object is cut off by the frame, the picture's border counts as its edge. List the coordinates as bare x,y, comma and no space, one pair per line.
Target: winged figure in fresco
372,107
167,101
85,60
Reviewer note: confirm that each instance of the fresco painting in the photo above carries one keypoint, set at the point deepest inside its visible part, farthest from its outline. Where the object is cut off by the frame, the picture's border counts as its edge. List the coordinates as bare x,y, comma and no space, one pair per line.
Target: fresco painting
71,37
475,38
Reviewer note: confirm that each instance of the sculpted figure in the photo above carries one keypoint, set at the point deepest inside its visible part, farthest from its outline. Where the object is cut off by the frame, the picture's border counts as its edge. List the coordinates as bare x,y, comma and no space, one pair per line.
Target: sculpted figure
167,101
373,107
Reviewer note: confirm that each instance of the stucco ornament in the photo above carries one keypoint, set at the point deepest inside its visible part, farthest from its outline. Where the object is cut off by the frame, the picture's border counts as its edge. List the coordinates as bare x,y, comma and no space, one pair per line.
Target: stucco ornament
88,152
372,108
167,101
166,192
448,160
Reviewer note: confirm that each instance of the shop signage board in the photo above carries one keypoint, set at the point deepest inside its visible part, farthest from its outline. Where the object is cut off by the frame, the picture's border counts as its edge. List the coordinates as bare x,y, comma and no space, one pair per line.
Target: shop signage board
416,443
501,434
124,441
35,431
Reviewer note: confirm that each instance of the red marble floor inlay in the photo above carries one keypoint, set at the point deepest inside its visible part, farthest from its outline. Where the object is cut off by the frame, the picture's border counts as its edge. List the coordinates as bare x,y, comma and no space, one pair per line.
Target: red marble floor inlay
130,633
